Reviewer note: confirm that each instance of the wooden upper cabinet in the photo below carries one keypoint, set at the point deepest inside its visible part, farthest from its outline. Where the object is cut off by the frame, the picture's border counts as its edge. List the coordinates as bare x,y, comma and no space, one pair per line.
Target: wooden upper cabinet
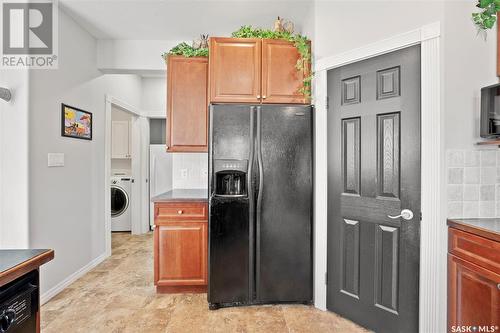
281,81
187,104
248,70
235,70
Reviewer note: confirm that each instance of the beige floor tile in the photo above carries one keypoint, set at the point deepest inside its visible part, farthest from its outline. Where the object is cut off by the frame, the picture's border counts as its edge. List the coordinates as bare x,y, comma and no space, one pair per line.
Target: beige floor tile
119,296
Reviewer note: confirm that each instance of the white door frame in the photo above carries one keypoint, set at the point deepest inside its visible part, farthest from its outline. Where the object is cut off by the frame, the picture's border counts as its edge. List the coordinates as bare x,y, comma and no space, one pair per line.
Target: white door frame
143,225
432,306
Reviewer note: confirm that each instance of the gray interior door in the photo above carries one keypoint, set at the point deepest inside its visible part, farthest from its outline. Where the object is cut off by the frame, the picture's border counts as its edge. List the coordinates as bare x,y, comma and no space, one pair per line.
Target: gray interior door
284,204
374,173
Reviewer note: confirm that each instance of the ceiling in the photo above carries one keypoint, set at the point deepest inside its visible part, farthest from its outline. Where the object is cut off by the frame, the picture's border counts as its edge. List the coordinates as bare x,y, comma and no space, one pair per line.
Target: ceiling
179,20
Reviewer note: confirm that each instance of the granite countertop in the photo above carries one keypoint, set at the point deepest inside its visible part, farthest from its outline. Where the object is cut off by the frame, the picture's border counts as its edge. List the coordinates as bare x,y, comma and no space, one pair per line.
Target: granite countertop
182,195
485,227
15,263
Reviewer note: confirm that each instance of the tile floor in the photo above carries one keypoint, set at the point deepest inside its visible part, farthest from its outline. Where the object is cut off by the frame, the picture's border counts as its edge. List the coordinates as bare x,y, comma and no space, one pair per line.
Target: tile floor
119,296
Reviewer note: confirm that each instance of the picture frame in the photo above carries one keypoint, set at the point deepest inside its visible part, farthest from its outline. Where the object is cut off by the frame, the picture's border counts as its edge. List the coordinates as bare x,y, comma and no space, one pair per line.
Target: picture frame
76,123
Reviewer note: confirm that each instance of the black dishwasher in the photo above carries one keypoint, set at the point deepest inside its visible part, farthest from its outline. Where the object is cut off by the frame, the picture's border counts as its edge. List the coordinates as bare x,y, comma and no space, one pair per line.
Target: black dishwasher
19,304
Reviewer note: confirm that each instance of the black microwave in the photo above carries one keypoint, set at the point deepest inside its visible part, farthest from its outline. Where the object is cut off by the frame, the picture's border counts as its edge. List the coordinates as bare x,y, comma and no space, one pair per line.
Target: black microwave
490,111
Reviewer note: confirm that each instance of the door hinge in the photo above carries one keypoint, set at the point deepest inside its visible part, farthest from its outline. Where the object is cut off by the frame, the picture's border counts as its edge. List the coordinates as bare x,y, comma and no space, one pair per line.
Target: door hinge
327,102
326,277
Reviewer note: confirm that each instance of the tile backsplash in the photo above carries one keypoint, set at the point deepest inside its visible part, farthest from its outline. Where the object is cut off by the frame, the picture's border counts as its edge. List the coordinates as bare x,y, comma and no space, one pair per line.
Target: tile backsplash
190,170
473,183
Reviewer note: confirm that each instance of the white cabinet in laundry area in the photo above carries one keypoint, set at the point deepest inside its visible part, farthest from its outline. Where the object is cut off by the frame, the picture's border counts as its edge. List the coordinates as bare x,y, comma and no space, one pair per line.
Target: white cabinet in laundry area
120,139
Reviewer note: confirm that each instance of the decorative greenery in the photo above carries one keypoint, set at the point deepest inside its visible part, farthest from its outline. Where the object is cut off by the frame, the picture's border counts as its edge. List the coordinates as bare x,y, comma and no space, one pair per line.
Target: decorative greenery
300,42
486,18
186,50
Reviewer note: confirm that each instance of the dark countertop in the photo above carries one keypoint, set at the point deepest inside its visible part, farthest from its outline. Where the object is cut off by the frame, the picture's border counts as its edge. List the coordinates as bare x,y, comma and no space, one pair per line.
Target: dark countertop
15,263
485,227
182,195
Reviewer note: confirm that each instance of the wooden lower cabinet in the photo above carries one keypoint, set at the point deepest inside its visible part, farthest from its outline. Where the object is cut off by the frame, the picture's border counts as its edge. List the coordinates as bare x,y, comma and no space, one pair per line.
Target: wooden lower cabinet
180,250
473,289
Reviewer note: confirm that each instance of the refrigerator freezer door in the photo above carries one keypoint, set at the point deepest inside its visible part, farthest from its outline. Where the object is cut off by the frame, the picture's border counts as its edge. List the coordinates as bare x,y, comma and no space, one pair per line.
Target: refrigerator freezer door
231,266
284,213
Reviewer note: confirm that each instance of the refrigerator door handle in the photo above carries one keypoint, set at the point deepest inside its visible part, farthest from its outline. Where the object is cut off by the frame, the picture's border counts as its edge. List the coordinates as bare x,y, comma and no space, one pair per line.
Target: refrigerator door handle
251,204
251,154
259,200
259,163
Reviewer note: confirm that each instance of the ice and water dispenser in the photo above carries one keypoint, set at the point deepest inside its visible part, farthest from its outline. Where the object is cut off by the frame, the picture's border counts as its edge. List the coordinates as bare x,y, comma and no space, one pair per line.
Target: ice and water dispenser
230,178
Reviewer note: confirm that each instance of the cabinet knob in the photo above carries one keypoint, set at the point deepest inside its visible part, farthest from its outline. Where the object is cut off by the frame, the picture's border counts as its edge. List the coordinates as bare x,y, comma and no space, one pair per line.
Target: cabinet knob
258,96
179,212
498,286
264,97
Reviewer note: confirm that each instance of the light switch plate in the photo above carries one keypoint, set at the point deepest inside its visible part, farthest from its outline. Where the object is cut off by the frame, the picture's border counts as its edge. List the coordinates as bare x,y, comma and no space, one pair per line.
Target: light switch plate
55,159
184,173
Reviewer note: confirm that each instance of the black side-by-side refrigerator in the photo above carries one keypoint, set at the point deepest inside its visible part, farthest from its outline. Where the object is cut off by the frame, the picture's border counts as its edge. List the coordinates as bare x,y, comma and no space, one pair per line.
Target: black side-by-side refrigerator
260,202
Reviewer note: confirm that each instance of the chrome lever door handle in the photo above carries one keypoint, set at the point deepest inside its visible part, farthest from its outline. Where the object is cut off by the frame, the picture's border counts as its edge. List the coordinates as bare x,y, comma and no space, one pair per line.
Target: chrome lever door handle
406,214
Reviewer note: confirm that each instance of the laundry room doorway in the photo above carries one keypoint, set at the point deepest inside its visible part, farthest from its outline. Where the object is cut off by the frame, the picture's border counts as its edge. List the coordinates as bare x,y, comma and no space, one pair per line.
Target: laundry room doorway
126,170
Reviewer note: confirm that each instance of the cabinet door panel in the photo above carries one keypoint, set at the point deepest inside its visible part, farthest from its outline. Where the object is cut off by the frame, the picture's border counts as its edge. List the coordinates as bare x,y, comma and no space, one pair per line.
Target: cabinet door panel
281,81
187,105
181,254
235,70
473,294
120,139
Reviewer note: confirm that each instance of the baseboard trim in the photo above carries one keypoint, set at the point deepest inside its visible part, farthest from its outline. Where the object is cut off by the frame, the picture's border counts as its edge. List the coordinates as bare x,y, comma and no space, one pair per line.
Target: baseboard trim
46,296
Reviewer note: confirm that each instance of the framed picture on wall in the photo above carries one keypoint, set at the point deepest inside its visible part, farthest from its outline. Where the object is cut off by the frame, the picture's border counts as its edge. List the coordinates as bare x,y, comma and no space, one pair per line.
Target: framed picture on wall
76,123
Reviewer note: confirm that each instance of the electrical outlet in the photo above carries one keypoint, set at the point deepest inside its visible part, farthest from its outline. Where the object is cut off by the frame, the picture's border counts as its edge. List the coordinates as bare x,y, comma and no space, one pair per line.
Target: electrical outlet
184,173
204,173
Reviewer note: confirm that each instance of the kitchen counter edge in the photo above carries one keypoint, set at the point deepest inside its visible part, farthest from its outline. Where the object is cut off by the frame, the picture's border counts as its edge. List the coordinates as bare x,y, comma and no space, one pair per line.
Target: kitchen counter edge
23,267
177,195
484,227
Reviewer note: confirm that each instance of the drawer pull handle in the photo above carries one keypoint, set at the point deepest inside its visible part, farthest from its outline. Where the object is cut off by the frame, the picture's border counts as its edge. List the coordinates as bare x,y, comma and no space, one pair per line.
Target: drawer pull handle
179,212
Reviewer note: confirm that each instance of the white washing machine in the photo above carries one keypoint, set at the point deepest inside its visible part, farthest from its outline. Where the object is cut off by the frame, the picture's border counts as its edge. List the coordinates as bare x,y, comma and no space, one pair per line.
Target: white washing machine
121,189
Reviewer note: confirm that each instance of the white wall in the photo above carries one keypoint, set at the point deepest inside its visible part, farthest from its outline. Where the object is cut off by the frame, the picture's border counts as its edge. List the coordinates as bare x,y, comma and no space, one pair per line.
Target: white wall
345,25
14,221
154,96
67,204
137,56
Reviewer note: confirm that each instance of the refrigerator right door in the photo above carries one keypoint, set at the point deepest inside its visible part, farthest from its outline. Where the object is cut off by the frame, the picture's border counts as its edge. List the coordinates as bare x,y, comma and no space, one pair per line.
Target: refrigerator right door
284,204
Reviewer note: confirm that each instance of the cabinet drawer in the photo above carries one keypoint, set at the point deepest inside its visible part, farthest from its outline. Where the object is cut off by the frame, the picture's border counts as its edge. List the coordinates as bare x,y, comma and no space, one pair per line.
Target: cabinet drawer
175,211
478,250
